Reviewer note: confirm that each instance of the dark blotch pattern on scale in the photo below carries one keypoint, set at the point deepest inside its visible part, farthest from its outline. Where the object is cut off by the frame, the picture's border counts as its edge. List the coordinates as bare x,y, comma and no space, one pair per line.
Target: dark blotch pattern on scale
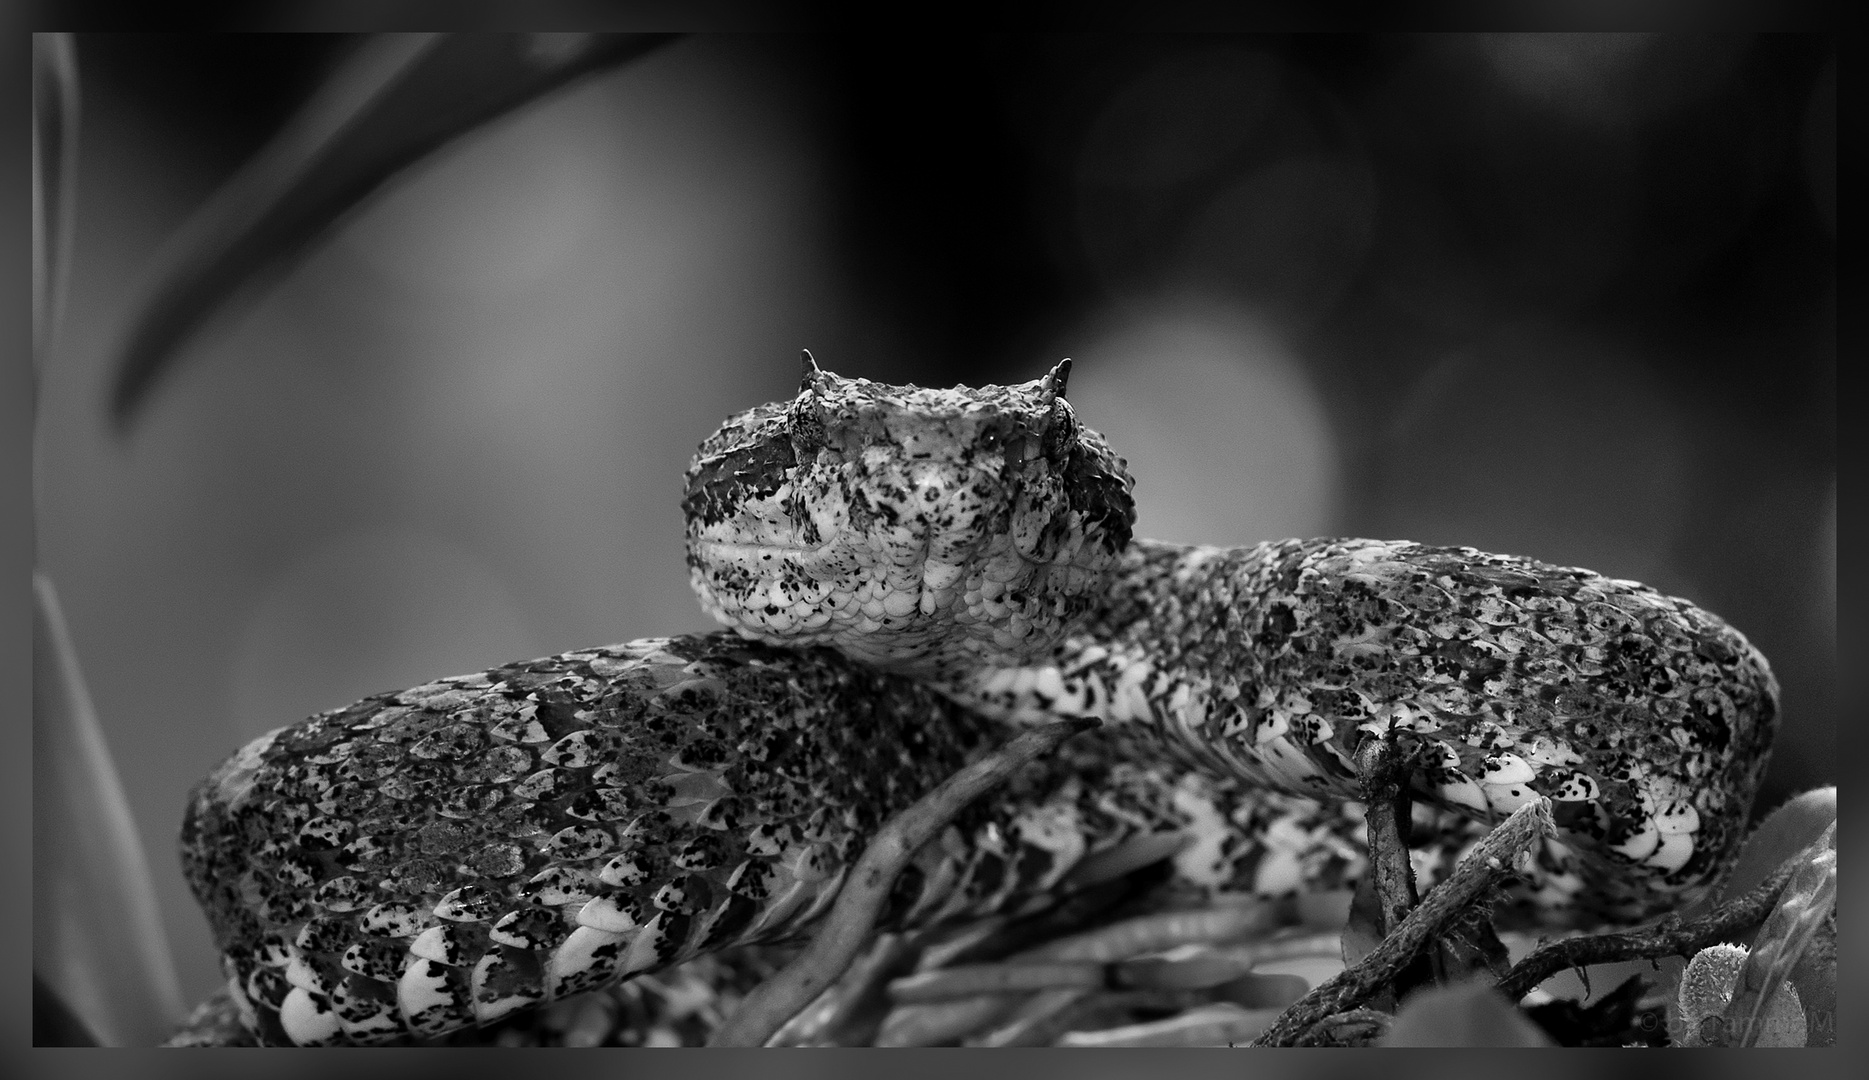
639,805
922,530
1647,721
442,857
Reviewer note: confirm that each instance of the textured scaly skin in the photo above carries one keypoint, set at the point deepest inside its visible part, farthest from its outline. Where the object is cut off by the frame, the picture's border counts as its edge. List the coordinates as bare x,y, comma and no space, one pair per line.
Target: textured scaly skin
1646,721
443,856
440,857
980,540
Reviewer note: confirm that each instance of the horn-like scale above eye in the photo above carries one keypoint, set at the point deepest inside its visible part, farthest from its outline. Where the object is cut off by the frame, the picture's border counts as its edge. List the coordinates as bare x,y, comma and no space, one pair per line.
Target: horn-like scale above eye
918,528
811,374
1055,379
805,420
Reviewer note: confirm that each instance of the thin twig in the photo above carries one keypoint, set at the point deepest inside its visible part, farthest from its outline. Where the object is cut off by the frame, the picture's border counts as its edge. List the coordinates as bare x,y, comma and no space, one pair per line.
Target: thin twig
1669,937
1493,859
1353,1027
1382,768
1387,893
861,899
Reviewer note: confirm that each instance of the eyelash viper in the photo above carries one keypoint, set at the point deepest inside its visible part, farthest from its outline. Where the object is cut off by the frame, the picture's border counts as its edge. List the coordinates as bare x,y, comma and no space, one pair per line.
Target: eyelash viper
905,571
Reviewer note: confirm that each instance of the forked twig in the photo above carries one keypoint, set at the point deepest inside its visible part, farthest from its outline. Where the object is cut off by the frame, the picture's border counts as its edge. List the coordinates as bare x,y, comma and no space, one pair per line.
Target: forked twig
1472,878
861,900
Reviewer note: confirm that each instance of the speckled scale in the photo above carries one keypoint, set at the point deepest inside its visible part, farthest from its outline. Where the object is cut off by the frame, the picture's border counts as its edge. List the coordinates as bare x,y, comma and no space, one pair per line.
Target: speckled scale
544,828
413,883
1647,720
455,921
979,539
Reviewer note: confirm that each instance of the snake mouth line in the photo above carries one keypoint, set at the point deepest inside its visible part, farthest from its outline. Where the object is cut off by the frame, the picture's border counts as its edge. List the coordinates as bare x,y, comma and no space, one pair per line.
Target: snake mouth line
743,551
741,548
738,549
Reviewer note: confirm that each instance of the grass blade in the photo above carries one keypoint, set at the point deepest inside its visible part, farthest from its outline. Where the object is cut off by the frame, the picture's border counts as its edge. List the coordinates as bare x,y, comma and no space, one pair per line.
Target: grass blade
1807,903
98,940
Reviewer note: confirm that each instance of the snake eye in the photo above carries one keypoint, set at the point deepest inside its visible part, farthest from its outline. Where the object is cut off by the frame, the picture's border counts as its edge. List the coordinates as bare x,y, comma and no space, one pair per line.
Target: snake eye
1060,431
805,423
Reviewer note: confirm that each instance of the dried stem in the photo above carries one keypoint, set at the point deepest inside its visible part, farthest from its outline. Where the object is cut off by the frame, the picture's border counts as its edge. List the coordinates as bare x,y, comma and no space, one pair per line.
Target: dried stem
863,895
1387,893
1383,768
1353,1027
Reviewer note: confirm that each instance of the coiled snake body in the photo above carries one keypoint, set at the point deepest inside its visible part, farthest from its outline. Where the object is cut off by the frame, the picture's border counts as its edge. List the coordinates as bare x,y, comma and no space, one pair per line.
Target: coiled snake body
907,569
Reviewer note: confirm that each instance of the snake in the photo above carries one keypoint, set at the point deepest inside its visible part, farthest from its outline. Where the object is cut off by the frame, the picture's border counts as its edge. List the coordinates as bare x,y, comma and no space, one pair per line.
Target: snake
906,576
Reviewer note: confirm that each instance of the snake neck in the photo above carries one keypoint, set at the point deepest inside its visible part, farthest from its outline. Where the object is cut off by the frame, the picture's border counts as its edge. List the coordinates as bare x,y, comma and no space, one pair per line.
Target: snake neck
1645,720
1171,656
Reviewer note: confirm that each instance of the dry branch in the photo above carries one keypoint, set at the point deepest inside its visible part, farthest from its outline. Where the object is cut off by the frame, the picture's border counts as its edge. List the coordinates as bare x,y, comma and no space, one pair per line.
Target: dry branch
1493,859
1669,937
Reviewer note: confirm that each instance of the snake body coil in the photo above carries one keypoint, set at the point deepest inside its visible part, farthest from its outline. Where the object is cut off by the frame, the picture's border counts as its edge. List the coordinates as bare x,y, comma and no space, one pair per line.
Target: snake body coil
443,856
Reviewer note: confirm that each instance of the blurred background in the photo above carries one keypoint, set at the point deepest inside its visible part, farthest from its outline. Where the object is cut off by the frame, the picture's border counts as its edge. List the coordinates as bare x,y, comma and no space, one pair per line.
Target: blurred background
1564,296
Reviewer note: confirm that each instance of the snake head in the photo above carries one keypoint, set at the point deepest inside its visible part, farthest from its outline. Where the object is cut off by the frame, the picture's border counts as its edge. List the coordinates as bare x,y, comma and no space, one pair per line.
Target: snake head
918,530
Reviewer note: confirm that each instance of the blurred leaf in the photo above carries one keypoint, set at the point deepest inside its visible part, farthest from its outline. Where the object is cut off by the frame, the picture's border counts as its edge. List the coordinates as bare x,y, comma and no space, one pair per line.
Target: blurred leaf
397,100
1469,1014
102,971
1807,906
53,1022
1784,833
54,159
98,940
1815,979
